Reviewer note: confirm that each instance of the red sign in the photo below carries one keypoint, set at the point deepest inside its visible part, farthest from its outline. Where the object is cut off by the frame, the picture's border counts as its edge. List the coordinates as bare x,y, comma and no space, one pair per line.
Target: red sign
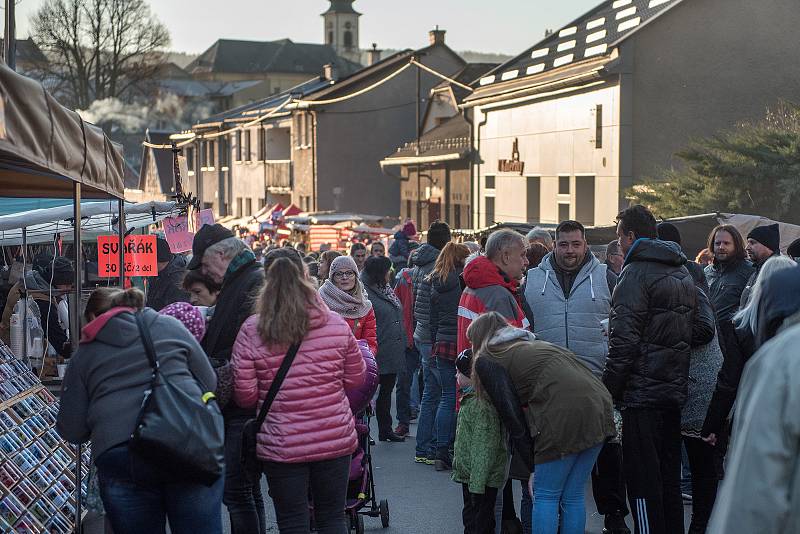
139,254
177,233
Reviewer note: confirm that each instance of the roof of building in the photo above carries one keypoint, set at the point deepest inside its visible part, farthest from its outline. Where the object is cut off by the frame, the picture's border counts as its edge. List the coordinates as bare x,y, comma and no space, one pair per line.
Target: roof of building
590,36
163,161
341,6
28,51
203,88
258,57
448,141
470,73
131,179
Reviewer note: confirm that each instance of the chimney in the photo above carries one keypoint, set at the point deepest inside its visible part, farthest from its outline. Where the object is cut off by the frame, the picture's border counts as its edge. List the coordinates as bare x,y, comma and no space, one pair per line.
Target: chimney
373,55
436,35
329,72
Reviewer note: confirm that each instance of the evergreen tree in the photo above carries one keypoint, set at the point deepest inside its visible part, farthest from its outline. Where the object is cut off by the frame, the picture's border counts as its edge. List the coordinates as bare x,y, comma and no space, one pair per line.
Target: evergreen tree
753,168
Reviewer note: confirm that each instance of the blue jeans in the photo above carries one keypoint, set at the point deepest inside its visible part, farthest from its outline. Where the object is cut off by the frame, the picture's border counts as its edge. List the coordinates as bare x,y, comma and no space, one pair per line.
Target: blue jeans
560,485
139,497
430,402
446,414
407,397
244,500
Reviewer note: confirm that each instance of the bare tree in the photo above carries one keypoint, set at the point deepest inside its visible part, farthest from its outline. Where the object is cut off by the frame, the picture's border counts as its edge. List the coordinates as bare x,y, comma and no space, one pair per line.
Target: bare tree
99,48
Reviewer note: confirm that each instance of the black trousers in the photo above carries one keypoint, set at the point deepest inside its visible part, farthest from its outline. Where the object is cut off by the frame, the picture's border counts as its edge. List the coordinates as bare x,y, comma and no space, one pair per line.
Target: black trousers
651,452
383,405
705,479
478,512
608,481
289,487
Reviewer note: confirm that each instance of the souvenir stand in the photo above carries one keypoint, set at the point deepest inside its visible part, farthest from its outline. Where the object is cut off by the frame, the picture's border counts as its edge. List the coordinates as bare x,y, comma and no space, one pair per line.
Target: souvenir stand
46,151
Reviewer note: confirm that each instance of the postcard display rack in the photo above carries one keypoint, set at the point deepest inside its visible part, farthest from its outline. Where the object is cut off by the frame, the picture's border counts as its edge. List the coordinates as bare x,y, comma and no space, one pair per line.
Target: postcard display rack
37,468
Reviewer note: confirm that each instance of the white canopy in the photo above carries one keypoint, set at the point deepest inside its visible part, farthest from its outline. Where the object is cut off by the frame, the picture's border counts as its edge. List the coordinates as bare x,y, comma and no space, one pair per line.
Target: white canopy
97,218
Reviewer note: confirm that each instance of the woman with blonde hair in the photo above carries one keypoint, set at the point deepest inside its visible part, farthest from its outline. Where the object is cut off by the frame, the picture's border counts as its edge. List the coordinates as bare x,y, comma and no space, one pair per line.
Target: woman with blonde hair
569,412
308,436
435,430
102,397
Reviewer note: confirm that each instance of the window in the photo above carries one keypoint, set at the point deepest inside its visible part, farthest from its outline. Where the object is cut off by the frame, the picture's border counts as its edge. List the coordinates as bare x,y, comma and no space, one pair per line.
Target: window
247,152
224,152
262,144
489,182
348,39
598,126
563,212
330,37
563,185
489,211
190,158
584,199
262,202
457,215
203,153
239,206
533,191
238,145
212,148
249,206
408,207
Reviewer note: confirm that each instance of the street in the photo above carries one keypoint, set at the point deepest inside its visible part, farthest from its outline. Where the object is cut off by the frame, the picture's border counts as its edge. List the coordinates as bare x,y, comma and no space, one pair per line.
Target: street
422,500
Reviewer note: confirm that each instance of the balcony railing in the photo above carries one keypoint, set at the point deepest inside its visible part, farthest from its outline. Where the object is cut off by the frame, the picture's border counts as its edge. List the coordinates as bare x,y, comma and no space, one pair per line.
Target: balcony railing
279,173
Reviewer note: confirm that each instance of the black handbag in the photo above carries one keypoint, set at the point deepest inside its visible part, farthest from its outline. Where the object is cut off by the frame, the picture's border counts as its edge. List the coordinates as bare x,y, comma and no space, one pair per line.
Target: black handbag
179,431
251,465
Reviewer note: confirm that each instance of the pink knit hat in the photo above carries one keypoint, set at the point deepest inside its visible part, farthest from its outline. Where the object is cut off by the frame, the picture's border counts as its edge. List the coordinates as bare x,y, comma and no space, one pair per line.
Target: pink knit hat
191,317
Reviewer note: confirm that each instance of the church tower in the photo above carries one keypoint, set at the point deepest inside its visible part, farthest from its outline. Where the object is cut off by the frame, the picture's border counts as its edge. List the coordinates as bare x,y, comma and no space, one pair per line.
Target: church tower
341,29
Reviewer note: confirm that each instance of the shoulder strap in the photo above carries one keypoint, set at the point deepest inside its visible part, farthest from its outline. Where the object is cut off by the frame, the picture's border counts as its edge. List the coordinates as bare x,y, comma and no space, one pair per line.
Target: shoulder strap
147,341
276,384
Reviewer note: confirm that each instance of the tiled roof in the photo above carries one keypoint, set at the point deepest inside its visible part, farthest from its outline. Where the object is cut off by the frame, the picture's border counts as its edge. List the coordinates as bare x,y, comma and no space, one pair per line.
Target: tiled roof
450,137
590,36
257,57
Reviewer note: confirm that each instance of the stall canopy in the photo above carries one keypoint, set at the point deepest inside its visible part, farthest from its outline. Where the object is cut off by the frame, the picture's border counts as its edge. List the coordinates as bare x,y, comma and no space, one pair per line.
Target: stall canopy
694,229
97,218
40,137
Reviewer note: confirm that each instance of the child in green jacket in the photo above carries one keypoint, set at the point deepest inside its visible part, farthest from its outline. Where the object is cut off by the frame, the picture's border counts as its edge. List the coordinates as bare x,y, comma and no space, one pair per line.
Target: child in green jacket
480,458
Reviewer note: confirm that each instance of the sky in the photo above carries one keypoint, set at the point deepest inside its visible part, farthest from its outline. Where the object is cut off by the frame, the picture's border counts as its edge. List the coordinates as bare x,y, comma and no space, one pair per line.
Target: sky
499,26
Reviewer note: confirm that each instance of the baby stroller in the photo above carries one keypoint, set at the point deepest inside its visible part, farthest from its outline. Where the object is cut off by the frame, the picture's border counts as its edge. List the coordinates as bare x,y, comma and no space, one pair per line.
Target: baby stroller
361,499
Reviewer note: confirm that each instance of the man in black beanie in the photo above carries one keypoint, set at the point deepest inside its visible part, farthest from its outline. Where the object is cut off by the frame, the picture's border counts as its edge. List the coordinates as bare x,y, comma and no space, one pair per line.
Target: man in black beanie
763,242
167,287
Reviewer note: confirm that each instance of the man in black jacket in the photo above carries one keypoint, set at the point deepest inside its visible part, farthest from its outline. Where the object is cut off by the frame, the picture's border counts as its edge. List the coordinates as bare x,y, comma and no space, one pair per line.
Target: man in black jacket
657,315
763,242
727,275
228,261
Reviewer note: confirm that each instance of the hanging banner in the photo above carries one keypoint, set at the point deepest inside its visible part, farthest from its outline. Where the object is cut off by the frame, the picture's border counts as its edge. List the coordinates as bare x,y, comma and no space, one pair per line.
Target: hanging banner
177,234
139,254
204,217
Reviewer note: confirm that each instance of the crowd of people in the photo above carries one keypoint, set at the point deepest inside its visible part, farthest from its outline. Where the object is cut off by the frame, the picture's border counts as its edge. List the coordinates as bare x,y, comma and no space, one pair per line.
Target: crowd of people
521,358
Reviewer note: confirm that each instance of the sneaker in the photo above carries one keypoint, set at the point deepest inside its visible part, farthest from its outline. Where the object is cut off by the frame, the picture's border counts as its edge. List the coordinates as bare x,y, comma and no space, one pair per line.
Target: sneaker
401,430
424,460
615,524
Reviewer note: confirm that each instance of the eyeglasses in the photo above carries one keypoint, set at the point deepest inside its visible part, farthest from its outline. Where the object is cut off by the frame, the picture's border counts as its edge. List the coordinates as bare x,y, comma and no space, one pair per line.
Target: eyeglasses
344,274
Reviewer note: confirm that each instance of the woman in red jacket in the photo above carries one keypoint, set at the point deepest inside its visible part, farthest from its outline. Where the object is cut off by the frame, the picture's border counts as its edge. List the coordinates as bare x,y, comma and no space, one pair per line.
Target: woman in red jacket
309,434
344,294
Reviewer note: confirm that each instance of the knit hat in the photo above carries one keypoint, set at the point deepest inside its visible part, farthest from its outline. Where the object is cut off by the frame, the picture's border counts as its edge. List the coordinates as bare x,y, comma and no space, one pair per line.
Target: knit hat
669,232
769,236
409,229
438,235
342,263
464,363
191,317
163,253
794,249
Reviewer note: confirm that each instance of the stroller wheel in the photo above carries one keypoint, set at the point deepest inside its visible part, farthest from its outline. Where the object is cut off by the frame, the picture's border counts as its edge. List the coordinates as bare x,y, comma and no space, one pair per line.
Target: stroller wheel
359,524
384,509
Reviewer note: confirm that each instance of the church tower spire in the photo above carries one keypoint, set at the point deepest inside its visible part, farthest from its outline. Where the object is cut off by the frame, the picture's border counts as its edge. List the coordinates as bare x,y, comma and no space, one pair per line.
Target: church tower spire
341,29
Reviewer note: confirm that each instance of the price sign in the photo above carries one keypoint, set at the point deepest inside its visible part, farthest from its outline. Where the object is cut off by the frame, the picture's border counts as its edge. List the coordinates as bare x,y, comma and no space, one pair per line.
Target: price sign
139,255
177,233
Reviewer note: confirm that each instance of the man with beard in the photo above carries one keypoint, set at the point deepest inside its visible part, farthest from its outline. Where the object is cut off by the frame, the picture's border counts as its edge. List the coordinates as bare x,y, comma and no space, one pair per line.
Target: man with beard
569,295
763,242
728,274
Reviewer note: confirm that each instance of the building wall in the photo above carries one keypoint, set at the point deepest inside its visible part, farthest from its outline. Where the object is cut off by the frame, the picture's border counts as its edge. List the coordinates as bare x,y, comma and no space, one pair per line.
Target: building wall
441,107
355,135
556,137
707,65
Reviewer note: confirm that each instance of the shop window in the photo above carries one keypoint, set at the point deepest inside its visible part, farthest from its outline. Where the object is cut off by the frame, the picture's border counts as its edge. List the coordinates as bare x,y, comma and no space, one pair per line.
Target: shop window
563,185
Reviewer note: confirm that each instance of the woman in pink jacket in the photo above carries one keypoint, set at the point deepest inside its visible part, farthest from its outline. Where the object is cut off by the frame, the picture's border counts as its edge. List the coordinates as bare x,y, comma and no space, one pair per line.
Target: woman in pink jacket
308,436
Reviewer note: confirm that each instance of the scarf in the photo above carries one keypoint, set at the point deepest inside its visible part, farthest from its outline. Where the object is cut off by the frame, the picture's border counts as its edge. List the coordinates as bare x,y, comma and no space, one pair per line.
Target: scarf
243,258
345,304
390,294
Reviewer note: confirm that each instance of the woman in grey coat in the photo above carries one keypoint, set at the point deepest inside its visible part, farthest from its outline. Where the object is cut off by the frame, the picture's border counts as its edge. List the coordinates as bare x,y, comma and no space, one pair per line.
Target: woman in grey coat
391,338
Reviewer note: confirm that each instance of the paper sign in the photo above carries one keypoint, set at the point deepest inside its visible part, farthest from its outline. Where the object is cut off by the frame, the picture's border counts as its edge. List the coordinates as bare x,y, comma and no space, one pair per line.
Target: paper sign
203,217
176,231
139,255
